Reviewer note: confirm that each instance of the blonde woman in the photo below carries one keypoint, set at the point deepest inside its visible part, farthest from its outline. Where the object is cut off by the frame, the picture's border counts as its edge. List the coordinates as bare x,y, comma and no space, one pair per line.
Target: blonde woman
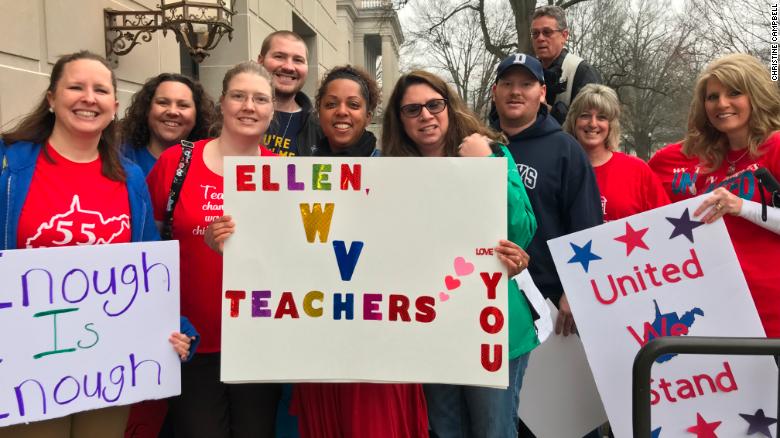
733,128
626,183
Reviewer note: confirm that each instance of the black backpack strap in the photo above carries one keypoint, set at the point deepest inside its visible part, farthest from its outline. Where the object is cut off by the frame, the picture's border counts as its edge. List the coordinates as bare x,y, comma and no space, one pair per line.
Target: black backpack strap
173,195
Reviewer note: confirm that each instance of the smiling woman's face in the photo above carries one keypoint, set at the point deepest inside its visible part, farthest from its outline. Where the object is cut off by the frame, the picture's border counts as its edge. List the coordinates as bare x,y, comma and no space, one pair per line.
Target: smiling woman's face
343,113
426,130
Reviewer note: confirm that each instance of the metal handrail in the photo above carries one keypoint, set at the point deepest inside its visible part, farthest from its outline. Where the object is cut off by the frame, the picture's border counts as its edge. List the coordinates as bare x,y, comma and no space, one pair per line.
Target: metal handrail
643,362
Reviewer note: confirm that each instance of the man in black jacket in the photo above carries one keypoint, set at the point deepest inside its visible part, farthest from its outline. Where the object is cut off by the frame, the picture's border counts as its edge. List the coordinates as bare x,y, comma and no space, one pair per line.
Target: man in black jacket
557,175
564,73
294,129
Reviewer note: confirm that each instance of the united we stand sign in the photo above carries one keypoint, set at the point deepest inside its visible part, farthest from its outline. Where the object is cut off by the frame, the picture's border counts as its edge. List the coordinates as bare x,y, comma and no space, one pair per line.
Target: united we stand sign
663,273
365,269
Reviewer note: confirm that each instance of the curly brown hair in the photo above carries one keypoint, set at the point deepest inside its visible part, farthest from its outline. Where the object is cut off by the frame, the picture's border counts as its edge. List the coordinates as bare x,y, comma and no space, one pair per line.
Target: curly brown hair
37,126
135,125
368,86
462,121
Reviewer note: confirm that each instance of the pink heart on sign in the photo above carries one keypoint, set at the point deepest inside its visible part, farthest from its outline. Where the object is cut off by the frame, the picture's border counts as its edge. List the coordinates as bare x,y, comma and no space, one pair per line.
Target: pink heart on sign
462,267
451,283
367,191
443,297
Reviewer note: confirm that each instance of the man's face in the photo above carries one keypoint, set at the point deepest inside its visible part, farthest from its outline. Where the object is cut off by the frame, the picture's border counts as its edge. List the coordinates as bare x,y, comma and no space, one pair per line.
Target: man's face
549,40
517,95
286,61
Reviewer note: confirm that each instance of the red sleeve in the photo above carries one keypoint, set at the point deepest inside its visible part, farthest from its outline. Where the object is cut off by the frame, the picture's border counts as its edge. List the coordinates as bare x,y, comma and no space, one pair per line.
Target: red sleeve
160,179
265,152
655,194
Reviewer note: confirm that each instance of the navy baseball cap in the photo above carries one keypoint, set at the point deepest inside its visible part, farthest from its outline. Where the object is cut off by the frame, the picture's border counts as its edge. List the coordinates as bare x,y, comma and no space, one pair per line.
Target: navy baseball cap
521,59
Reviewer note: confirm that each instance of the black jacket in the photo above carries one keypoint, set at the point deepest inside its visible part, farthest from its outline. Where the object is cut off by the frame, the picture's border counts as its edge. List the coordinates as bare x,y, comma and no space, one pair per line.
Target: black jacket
561,186
364,147
584,75
310,134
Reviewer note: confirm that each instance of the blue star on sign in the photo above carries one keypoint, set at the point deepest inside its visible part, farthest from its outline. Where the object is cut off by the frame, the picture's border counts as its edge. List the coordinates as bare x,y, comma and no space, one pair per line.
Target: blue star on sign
684,225
759,423
583,255
656,433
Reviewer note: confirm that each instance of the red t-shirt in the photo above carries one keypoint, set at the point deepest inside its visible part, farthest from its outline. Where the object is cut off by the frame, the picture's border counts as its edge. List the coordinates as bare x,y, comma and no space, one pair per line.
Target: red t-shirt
200,202
627,187
71,203
676,171
758,249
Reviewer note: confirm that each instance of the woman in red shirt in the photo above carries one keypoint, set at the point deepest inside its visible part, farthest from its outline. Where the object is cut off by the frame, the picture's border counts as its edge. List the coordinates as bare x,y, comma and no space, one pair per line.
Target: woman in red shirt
626,183
733,129
208,407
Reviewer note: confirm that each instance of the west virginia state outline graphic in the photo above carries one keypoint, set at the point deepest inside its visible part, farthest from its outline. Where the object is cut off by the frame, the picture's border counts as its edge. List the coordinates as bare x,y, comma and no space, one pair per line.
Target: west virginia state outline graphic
100,225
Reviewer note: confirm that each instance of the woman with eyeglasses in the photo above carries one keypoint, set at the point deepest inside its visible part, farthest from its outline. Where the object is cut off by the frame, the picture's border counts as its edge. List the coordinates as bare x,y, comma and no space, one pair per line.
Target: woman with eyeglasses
426,118
734,128
208,407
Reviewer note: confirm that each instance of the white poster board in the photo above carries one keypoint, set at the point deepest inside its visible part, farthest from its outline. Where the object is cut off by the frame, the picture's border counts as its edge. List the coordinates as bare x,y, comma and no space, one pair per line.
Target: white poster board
389,288
86,327
559,398
664,272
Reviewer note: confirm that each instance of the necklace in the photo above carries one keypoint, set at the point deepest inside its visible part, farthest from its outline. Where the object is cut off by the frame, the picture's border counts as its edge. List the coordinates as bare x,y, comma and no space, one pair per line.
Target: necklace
288,125
733,164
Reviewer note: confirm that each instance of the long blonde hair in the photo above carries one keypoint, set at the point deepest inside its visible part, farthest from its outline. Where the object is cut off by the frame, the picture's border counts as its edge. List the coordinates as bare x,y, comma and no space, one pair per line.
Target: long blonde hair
745,74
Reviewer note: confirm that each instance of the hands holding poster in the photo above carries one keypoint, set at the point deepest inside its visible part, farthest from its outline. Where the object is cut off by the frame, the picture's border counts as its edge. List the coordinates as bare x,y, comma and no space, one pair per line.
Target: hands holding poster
365,269
86,327
663,273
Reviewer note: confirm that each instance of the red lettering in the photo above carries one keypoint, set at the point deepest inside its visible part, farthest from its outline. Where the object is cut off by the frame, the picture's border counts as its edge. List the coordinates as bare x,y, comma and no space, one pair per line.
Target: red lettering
244,181
491,281
286,306
350,176
494,364
268,185
498,320
235,297
669,271
425,310
398,305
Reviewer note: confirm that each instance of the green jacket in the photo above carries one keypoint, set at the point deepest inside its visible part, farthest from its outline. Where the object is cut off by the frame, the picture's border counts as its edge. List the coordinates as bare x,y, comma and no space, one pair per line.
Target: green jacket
521,225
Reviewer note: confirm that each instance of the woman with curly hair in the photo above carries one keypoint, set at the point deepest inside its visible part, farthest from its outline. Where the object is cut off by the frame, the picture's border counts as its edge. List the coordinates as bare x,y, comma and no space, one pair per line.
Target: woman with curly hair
733,129
168,108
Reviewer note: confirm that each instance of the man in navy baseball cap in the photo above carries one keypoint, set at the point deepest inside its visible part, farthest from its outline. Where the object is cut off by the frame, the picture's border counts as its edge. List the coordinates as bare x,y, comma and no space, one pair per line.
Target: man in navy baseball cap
557,174
521,59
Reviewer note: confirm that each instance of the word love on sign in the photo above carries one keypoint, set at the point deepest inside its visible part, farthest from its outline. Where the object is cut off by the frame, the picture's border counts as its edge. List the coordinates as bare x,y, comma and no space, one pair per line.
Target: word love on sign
664,273
365,269
86,327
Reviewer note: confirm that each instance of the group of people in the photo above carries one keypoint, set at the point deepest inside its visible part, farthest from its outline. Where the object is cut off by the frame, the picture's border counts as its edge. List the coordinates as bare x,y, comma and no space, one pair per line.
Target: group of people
556,127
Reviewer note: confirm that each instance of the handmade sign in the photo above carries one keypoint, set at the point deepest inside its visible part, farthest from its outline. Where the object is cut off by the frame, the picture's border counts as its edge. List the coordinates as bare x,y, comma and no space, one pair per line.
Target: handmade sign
559,397
365,269
86,327
664,273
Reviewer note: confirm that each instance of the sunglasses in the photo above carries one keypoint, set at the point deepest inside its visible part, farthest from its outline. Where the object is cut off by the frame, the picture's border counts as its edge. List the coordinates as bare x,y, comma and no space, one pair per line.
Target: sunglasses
547,32
434,106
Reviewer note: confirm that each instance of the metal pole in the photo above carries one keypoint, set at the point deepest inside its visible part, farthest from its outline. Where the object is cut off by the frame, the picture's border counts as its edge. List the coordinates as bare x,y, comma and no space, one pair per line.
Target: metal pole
643,363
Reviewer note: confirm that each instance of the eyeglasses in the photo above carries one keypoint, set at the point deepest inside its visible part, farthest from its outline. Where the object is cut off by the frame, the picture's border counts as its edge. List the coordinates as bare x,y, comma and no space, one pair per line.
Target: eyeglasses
547,32
434,106
240,97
